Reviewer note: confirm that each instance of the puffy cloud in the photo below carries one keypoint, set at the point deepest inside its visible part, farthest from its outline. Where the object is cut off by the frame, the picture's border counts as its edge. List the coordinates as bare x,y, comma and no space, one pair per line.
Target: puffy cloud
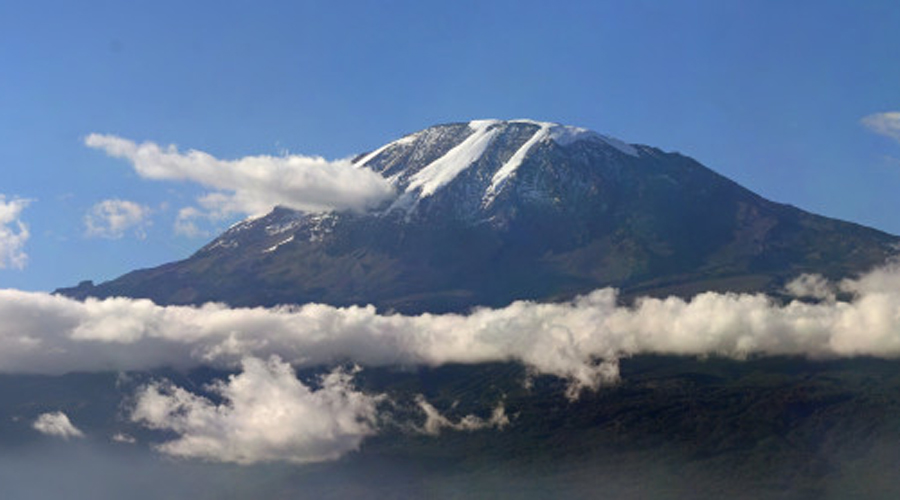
56,424
811,285
266,415
886,124
13,233
253,184
112,218
883,280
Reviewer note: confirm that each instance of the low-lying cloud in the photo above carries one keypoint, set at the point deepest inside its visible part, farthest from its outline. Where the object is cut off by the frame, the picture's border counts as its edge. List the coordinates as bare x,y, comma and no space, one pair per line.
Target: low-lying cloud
56,424
253,184
267,415
435,421
580,340
264,413
13,233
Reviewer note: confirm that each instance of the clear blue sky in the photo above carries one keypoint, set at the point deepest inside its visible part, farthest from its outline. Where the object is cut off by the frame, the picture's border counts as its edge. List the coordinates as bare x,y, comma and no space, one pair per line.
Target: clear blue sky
769,93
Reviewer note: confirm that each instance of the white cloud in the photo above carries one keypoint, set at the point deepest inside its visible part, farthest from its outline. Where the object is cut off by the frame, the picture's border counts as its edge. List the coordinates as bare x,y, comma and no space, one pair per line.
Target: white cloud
886,124
121,437
435,422
112,218
581,340
185,224
254,184
811,285
266,415
51,334
13,233
56,424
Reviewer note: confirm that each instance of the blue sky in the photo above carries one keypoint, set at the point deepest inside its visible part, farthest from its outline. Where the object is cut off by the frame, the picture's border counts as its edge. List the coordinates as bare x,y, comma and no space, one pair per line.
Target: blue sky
771,94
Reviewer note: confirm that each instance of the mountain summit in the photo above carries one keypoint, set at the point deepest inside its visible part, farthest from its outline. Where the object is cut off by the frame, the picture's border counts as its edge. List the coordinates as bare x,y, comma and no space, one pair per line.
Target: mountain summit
487,212
485,155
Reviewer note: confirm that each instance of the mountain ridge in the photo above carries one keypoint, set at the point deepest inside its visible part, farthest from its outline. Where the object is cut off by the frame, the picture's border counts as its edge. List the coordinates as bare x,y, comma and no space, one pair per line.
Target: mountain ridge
489,211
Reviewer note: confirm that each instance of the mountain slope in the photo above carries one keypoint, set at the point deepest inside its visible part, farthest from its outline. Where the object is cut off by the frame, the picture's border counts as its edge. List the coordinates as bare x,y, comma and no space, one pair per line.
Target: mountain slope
488,212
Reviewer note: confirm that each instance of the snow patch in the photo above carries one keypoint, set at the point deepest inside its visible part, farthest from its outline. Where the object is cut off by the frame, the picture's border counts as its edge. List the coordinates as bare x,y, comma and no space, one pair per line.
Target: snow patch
565,135
510,167
221,243
283,227
275,246
443,170
320,225
406,202
403,141
243,224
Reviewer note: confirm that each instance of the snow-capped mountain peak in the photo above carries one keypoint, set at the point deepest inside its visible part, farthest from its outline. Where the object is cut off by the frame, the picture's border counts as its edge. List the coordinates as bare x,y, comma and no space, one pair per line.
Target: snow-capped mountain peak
491,211
443,170
488,153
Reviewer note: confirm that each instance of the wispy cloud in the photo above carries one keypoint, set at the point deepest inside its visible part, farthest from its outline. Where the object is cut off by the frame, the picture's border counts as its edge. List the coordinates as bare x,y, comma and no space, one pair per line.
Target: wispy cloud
186,222
886,124
266,415
435,422
112,218
13,233
121,437
253,184
56,424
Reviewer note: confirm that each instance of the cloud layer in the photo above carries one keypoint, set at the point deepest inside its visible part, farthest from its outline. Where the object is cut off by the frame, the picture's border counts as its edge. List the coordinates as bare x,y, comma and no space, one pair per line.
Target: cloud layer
112,218
579,340
253,184
266,414
13,233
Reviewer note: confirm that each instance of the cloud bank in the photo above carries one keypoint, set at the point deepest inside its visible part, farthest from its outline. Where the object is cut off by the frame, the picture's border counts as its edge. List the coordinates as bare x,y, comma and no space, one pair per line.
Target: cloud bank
253,184
264,413
56,424
112,218
13,233
580,340
267,415
886,124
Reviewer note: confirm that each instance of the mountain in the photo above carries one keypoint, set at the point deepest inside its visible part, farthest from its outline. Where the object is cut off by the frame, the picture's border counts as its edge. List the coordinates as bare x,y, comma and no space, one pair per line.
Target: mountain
489,211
